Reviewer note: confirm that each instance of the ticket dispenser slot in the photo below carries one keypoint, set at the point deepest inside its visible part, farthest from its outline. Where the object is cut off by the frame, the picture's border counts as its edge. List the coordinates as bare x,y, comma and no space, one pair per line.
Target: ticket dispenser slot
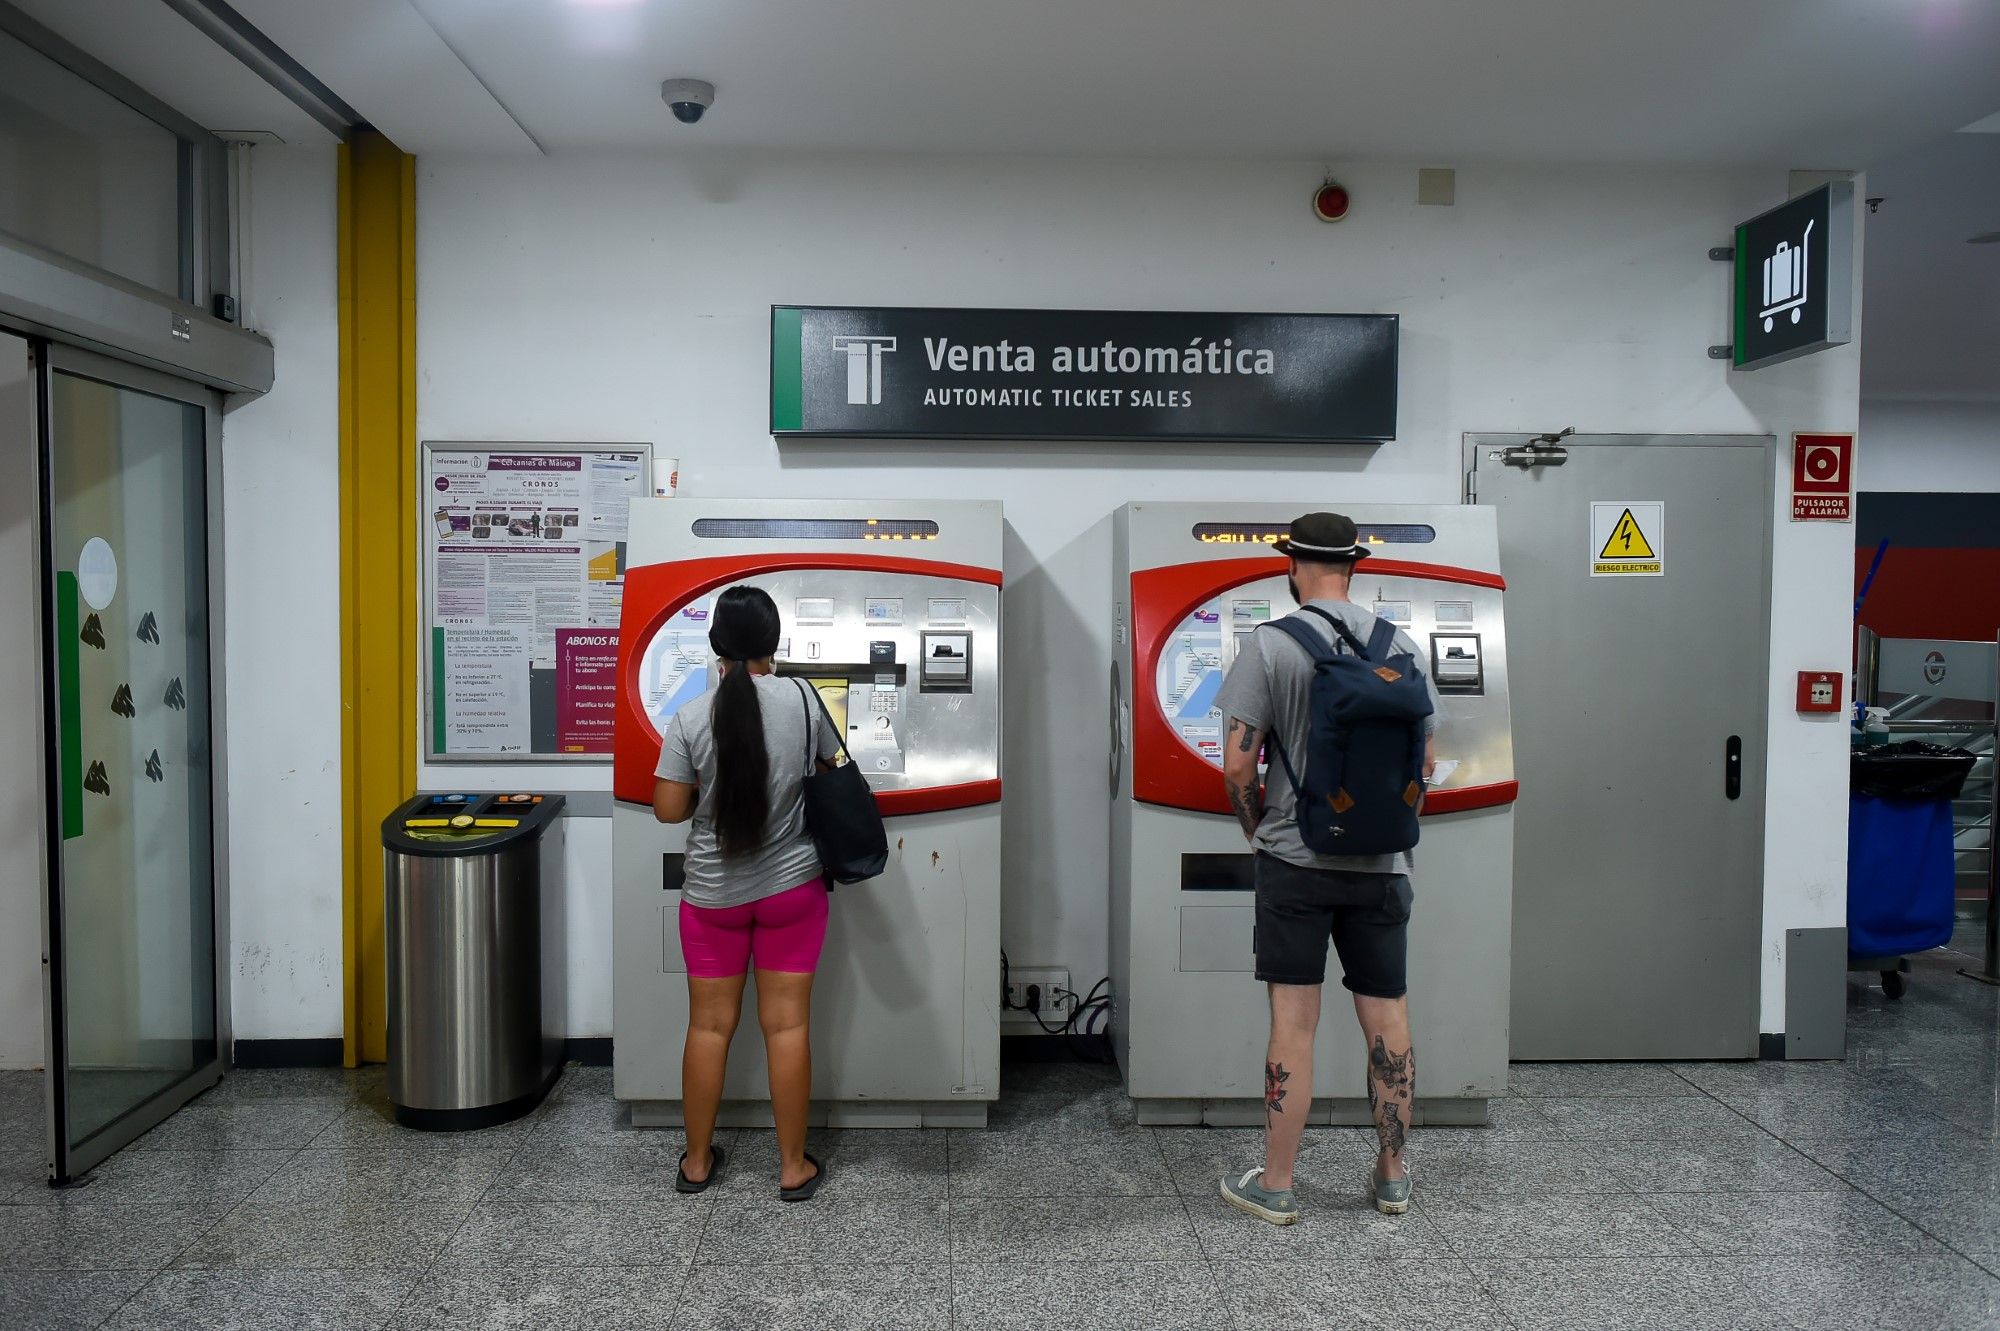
947,663
1457,664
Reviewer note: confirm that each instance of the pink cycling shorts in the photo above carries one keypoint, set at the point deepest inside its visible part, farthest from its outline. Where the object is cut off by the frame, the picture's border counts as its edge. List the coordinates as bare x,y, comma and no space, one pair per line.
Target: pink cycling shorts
781,933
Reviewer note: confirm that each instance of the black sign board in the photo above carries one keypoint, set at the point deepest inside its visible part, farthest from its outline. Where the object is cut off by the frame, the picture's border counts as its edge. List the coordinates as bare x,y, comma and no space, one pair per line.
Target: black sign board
1082,374
1795,278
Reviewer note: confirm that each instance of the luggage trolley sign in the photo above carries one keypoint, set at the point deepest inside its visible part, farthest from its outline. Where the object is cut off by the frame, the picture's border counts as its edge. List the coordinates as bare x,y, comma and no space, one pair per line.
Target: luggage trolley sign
1795,279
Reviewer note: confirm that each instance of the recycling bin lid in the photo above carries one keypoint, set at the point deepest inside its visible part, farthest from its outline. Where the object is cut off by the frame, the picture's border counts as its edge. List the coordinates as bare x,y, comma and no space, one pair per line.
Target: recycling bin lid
457,823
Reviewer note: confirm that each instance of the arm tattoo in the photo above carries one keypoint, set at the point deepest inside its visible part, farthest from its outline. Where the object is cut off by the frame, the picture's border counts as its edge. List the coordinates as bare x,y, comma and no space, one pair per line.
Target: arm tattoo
1246,736
1247,802
1275,1078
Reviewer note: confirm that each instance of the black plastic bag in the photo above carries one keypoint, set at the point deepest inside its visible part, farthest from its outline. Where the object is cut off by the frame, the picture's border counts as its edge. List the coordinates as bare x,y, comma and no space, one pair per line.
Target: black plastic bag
1912,770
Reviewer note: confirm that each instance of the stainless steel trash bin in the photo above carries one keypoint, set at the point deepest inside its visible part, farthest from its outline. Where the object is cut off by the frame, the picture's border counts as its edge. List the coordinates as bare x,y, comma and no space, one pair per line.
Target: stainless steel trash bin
474,917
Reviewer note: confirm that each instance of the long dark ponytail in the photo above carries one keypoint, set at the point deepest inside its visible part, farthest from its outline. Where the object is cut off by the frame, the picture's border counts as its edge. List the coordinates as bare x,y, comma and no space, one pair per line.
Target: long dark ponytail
745,629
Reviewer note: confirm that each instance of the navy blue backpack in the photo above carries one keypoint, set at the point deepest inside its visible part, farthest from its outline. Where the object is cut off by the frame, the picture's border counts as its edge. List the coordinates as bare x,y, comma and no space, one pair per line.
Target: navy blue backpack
1364,758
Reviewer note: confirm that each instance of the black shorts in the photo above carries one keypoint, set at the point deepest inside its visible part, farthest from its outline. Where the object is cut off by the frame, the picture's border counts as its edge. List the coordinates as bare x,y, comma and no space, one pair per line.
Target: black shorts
1366,915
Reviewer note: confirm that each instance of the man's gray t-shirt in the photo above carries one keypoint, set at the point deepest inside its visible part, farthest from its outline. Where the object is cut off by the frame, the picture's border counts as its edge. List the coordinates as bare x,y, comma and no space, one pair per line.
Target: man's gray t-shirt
687,755
1268,688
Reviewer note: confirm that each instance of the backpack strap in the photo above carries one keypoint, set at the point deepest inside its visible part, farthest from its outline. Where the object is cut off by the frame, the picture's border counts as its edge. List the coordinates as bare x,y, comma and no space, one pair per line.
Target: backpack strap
1382,641
1316,646
1347,636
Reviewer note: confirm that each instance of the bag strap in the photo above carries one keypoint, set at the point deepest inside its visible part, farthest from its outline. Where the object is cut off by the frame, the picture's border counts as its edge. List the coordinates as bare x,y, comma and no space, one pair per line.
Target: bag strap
1298,791
1316,646
1353,643
1382,641
805,709
812,750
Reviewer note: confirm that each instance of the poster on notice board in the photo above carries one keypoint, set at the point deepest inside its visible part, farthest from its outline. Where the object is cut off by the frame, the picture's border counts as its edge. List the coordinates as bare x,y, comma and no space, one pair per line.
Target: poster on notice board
524,575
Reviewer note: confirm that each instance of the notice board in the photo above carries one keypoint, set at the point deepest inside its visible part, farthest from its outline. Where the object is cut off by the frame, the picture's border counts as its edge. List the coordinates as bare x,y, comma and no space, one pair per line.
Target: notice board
524,576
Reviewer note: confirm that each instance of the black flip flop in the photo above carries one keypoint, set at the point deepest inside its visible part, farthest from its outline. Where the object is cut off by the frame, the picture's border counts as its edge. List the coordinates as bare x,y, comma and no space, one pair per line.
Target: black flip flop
804,1192
682,1183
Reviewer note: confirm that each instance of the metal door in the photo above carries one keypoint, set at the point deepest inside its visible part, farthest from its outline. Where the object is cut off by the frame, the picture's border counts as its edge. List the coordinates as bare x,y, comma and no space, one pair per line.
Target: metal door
1640,698
136,1022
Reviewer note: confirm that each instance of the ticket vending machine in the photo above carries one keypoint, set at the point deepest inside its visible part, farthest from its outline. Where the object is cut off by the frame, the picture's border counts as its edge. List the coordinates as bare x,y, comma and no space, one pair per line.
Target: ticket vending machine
1192,582
891,612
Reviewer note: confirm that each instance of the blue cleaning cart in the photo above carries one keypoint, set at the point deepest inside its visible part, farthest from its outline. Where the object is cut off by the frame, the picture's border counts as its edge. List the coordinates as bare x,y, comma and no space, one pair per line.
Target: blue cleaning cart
1900,855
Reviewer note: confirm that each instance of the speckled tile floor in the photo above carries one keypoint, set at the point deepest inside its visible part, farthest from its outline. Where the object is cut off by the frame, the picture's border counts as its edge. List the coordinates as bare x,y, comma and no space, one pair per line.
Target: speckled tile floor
1690,1195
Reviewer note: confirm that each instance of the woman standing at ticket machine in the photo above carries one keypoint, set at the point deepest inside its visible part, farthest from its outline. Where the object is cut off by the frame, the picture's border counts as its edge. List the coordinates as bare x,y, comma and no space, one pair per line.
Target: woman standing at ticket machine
735,761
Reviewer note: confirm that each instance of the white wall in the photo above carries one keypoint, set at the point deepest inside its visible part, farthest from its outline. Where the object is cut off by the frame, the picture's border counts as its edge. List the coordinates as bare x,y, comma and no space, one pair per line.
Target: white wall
1942,444
619,298
281,524
20,721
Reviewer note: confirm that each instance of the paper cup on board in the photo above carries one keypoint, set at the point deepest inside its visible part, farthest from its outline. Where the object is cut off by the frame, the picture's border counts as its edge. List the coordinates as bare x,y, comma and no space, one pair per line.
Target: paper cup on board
666,477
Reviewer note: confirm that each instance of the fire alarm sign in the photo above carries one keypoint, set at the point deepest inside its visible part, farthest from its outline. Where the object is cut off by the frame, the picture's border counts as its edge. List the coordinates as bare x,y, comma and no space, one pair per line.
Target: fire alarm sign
1822,478
1819,690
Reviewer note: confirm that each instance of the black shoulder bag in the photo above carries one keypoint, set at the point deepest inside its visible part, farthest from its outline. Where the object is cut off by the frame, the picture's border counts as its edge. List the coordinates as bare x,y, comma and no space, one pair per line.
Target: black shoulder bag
841,816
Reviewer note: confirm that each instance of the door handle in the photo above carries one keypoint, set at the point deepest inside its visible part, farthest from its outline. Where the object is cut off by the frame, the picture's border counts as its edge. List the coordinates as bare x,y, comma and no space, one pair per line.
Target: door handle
1732,767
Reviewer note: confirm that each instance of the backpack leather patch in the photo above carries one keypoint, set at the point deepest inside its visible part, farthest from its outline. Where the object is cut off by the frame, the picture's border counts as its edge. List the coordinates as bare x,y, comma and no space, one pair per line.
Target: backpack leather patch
1386,675
1340,800
1412,793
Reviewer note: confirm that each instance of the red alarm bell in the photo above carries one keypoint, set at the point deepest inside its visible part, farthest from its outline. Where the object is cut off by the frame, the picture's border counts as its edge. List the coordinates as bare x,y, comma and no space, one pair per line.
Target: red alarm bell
1330,202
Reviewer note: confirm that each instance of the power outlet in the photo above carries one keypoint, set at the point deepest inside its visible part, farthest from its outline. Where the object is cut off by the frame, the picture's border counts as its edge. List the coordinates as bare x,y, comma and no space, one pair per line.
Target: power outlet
1057,1000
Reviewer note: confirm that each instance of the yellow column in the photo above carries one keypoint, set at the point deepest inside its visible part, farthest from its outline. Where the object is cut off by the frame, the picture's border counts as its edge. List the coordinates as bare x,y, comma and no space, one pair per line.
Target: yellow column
378,550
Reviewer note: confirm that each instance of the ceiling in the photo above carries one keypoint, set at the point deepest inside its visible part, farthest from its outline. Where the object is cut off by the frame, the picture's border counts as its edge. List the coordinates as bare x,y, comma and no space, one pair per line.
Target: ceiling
1930,312
1789,83
1827,84
161,52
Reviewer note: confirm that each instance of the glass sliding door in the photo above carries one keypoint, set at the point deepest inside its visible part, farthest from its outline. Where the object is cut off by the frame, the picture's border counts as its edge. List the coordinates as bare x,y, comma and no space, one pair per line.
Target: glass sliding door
133,900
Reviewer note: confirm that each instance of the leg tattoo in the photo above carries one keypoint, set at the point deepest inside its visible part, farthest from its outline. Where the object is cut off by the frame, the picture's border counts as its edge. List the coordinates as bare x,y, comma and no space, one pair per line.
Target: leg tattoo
1392,1132
1396,1077
1275,1078
1396,1072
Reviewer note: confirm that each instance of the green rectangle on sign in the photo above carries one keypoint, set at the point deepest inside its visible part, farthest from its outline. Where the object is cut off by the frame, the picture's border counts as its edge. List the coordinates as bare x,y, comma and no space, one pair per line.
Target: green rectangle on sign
787,369
69,705
437,690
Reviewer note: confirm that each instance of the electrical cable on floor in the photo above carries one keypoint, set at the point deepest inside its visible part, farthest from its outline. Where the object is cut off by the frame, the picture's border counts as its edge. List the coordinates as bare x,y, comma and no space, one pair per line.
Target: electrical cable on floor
1080,1024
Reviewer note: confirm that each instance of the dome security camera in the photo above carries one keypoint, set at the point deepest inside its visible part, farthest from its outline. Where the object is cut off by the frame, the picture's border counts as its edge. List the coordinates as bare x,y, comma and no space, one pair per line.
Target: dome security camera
687,98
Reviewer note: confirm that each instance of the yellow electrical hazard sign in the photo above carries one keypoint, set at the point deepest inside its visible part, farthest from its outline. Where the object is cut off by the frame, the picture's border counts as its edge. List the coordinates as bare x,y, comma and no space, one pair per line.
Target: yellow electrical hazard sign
1628,538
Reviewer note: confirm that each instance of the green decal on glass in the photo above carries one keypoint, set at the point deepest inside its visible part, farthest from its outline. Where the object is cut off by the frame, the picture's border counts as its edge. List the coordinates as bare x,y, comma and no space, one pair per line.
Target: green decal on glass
69,704
787,370
437,690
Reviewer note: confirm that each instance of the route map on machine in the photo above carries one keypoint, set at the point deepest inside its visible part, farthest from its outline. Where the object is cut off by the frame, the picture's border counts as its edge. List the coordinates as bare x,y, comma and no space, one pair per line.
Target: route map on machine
1189,677
673,668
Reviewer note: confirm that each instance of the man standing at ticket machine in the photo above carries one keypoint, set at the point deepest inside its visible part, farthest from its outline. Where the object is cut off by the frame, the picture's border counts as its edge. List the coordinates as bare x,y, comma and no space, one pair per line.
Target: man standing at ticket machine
1306,897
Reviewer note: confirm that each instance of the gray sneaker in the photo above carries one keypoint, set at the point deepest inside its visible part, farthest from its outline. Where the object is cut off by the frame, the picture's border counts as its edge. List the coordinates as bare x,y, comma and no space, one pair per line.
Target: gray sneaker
1391,1198
1250,1197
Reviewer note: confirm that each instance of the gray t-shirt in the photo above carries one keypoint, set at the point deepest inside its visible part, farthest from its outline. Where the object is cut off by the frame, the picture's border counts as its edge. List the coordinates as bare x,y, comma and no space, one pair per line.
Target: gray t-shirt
687,755
1268,686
